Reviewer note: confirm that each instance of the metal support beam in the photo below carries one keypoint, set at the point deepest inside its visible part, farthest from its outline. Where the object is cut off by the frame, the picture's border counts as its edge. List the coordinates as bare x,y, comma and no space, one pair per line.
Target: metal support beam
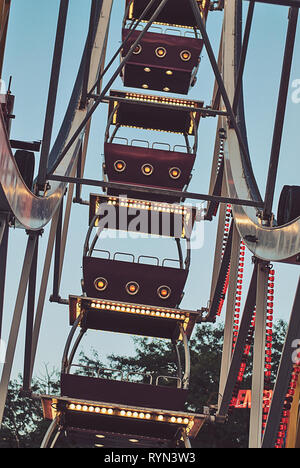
132,28
56,272
242,61
255,432
149,190
43,289
84,95
4,17
232,119
214,306
230,311
29,320
283,375
280,113
17,315
52,94
239,346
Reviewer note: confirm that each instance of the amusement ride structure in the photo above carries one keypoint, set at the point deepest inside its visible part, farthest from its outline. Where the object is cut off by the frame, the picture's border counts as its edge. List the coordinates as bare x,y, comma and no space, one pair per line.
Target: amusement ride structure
159,60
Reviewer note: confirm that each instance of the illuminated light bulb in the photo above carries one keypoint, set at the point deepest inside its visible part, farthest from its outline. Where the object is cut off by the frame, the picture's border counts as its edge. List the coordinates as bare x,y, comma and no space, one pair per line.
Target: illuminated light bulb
129,413
91,409
100,284
110,411
78,407
72,406
135,414
132,288
166,89
93,305
160,417
145,86
175,173
84,408
147,69
173,419
103,410
186,421
120,166
137,50
147,169
169,72
164,292
100,436
97,409
161,52
141,415
185,55
179,420
123,413
148,416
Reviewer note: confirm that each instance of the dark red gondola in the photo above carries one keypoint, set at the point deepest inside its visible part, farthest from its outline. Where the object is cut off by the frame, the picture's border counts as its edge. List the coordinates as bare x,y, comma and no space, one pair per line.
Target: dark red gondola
166,60
162,62
151,167
137,282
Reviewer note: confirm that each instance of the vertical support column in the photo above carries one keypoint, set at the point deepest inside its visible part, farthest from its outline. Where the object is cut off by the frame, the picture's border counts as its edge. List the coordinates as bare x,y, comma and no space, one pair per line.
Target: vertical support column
280,113
230,311
255,435
14,331
43,288
29,320
4,17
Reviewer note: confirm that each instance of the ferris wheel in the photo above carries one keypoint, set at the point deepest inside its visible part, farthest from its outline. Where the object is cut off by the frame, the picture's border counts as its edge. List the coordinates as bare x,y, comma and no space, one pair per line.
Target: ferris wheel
145,189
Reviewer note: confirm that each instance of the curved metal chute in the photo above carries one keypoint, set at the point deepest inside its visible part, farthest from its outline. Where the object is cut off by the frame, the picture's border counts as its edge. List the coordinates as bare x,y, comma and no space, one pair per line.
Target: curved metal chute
277,244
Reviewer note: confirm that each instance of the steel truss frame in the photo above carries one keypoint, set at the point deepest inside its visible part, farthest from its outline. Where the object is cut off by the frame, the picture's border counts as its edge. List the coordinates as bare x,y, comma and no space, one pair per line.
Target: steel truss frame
217,195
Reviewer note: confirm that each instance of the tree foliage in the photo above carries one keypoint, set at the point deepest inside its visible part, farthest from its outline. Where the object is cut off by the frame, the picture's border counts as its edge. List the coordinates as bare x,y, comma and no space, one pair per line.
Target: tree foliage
23,425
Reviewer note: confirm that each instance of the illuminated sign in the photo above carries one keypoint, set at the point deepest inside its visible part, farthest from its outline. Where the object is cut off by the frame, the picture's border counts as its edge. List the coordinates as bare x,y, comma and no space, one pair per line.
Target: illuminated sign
243,400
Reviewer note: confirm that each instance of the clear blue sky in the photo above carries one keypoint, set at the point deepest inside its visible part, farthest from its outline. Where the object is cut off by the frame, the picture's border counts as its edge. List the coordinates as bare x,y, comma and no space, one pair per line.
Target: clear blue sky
28,59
